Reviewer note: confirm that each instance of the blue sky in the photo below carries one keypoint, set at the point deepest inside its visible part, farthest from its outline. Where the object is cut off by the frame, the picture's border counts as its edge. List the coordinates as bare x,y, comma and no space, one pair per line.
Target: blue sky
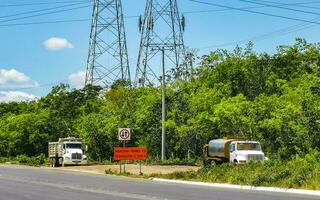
25,62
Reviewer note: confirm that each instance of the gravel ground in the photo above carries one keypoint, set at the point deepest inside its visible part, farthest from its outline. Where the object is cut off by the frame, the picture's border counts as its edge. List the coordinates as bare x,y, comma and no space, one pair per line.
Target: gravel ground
131,168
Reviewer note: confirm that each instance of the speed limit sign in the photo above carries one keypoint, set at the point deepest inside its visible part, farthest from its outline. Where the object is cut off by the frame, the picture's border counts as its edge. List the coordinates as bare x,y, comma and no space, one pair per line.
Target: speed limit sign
124,134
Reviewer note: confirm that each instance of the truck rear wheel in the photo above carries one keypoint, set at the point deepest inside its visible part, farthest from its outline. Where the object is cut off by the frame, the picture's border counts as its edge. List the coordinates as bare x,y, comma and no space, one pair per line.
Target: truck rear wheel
54,162
213,163
206,162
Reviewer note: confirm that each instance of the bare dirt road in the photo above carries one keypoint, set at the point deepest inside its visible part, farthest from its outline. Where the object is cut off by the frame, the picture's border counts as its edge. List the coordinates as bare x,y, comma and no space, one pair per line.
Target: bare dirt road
131,168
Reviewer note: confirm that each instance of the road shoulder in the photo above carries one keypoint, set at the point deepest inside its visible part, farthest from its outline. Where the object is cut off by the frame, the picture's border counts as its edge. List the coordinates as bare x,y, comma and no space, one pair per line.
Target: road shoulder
241,187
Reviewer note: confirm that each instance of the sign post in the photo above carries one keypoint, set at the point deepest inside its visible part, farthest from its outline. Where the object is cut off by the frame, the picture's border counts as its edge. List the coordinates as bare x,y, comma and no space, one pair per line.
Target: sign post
124,134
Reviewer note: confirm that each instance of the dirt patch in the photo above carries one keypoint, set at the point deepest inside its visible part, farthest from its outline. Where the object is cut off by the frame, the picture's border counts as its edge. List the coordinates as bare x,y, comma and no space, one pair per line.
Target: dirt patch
132,168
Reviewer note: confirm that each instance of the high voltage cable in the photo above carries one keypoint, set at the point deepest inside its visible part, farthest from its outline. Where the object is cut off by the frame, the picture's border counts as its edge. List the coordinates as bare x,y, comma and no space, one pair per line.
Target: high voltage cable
281,7
254,7
56,21
136,16
45,22
47,13
277,33
40,3
41,10
254,12
300,5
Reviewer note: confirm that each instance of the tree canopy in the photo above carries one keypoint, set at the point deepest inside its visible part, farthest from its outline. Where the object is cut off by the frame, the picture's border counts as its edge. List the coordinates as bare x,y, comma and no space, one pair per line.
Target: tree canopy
274,99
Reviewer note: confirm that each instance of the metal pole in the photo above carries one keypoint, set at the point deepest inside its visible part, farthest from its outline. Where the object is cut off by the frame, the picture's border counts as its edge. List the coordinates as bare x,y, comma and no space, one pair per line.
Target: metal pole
163,140
124,162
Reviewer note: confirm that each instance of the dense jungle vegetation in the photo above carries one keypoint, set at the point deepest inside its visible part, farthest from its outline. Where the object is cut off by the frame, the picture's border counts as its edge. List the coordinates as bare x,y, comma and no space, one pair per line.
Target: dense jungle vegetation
274,99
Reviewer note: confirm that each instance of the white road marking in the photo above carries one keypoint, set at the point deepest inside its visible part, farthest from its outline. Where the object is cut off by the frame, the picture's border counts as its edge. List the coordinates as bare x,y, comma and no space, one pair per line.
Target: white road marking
240,187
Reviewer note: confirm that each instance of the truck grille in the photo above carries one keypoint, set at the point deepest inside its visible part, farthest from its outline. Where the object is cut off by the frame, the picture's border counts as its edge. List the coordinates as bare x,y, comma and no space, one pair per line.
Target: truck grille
255,157
76,156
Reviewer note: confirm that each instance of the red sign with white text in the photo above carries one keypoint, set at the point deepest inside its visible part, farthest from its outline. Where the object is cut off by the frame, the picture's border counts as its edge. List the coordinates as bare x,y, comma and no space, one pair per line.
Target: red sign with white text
130,153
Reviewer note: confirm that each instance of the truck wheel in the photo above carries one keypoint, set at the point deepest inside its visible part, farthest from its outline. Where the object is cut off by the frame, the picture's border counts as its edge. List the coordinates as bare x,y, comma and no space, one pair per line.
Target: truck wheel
206,163
56,162
213,163
53,162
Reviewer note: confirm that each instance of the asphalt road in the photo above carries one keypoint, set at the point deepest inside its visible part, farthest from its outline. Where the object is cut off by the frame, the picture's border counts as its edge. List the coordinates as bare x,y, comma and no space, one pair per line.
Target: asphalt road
26,183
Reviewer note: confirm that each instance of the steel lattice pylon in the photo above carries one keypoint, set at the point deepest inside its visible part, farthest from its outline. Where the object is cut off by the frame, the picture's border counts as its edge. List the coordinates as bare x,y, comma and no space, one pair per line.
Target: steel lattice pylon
161,30
108,56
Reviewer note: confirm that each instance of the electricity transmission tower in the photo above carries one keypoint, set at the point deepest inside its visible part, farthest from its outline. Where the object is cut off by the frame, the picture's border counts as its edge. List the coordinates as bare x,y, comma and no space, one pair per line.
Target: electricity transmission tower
161,30
108,56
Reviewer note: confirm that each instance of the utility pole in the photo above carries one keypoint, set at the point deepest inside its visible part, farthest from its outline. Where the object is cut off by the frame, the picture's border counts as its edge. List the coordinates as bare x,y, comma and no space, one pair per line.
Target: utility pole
164,113
107,58
161,26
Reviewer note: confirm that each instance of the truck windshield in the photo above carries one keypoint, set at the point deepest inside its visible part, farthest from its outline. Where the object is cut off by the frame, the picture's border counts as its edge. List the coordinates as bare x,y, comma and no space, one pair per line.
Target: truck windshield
73,146
249,146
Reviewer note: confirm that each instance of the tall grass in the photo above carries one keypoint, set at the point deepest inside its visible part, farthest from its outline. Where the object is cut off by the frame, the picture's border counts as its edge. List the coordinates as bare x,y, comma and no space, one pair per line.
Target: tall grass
300,172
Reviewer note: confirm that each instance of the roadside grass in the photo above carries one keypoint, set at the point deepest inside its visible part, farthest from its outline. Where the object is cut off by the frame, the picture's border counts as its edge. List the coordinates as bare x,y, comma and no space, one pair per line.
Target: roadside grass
25,160
298,173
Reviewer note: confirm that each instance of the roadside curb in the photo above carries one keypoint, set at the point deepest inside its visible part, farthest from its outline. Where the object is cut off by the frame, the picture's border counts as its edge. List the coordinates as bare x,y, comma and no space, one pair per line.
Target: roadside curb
240,187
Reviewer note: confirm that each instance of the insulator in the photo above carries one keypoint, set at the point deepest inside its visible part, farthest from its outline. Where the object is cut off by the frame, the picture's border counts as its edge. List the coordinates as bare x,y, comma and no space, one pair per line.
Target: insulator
140,24
183,23
149,23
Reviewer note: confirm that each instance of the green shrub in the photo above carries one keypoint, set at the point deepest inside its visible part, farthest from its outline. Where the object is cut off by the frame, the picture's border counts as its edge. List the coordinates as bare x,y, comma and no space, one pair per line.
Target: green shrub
32,161
4,160
300,172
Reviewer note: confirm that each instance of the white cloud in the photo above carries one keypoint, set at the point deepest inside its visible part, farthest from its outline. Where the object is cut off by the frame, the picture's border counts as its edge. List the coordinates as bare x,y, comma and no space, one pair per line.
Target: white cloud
77,80
14,78
16,96
57,44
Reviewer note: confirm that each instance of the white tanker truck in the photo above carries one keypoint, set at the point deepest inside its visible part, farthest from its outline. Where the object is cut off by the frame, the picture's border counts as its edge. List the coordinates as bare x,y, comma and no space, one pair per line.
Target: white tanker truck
231,150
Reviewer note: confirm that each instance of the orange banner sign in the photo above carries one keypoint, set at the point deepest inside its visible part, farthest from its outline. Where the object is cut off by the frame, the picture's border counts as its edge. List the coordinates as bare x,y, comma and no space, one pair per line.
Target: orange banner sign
130,153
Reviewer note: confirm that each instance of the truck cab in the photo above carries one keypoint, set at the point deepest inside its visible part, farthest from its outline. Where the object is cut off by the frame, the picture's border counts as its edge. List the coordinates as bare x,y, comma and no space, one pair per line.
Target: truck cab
244,151
73,153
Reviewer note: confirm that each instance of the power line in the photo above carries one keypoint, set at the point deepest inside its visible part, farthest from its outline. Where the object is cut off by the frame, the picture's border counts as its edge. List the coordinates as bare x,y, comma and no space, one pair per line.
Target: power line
254,12
281,7
277,33
134,16
56,21
36,11
45,22
300,5
254,7
40,3
47,13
